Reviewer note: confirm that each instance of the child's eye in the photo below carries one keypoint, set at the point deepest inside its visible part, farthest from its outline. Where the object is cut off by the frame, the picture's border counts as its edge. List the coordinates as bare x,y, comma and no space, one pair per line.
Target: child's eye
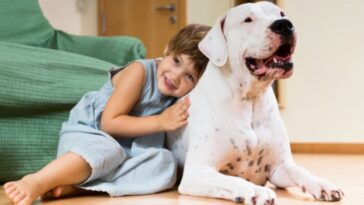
176,60
190,78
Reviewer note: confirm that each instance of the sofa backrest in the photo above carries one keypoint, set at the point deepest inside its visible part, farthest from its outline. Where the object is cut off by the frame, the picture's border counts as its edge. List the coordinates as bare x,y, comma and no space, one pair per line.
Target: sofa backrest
22,21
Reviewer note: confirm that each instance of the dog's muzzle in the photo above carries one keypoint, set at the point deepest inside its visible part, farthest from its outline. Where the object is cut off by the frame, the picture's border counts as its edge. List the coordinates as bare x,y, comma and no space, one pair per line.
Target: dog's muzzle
281,58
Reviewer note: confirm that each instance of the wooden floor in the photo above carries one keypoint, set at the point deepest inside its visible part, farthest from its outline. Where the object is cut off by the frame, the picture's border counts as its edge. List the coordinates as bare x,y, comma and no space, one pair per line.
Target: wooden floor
347,171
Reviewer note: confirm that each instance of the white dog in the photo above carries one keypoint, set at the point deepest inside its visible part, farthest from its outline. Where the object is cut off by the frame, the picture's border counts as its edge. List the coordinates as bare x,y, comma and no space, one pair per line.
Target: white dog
236,140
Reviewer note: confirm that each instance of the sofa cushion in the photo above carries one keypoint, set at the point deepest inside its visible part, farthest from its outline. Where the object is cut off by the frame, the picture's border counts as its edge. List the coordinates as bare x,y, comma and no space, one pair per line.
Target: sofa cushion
38,88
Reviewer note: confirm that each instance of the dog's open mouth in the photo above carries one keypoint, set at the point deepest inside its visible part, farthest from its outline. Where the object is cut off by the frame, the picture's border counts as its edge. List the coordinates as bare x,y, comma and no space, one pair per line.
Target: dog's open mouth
277,66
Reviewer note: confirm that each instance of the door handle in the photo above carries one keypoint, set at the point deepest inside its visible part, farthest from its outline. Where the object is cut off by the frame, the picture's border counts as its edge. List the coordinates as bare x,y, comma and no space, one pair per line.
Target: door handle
173,19
167,7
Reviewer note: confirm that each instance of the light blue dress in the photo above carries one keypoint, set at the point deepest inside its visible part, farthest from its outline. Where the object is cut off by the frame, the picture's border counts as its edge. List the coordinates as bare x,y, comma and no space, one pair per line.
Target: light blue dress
122,166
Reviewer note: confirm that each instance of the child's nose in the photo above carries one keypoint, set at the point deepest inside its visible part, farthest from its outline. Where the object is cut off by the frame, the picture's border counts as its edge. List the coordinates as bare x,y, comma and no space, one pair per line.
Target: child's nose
177,76
175,80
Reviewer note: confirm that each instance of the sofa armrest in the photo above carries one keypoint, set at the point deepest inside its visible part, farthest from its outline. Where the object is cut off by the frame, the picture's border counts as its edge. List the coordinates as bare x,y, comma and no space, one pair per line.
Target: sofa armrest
118,50
38,88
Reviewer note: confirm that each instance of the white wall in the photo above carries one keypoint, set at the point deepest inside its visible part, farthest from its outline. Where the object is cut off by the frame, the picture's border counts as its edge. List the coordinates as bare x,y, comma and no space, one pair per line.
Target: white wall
324,98
206,11
74,16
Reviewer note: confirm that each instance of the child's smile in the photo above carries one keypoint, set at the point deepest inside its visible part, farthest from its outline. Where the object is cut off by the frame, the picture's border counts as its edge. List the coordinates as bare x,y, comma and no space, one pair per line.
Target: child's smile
169,84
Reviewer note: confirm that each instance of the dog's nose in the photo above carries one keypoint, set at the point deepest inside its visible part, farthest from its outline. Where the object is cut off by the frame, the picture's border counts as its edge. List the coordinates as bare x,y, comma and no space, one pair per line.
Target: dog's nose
283,27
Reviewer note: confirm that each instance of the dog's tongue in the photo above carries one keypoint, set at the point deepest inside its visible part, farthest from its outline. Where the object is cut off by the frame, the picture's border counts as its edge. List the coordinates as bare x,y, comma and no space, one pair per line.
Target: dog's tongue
272,62
261,68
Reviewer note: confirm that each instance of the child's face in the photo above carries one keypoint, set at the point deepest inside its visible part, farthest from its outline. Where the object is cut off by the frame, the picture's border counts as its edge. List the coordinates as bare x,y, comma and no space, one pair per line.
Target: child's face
176,75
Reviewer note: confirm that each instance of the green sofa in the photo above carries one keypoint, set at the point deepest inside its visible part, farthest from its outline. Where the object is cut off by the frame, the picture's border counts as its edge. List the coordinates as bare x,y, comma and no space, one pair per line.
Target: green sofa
43,74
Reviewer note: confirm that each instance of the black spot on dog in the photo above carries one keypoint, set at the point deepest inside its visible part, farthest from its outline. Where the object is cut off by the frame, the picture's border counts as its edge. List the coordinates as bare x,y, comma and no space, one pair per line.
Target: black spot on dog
267,168
233,143
251,163
224,171
248,149
230,166
239,200
259,160
254,200
238,159
261,152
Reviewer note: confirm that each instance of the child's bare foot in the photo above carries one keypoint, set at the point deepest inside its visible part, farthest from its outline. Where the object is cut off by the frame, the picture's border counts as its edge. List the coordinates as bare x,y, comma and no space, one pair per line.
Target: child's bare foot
23,191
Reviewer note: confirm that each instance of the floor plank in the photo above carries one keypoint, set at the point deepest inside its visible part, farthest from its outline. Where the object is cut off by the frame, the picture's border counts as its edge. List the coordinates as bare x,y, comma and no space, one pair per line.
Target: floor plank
347,171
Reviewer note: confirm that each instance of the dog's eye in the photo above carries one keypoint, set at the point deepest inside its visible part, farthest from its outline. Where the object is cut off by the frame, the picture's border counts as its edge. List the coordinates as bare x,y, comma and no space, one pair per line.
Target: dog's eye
283,14
247,20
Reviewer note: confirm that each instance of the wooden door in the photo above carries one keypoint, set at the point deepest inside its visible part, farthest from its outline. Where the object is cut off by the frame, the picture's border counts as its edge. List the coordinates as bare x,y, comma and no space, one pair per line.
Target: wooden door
152,21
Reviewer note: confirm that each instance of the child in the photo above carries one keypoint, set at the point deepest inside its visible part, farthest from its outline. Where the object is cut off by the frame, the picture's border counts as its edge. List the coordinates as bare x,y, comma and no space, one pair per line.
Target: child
113,139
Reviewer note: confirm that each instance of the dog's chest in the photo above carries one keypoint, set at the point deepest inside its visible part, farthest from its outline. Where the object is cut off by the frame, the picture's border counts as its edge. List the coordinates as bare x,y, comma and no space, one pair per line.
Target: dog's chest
251,163
253,150
238,139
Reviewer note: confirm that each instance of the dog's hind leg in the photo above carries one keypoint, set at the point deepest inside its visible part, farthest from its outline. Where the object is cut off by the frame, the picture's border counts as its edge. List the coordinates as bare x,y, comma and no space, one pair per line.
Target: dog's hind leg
204,180
288,174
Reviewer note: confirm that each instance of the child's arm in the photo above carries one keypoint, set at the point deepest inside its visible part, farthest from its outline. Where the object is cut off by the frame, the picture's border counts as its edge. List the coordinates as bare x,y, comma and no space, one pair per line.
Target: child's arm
116,120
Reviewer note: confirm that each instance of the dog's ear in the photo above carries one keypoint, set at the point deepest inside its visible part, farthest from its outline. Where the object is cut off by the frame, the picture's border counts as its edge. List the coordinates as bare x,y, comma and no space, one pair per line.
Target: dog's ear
213,45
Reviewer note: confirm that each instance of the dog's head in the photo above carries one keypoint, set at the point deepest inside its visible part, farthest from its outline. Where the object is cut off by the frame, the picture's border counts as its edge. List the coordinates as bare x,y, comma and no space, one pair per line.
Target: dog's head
256,38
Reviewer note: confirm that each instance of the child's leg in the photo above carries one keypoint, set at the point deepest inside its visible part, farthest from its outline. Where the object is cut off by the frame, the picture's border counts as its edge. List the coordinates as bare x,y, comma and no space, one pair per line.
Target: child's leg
68,169
66,191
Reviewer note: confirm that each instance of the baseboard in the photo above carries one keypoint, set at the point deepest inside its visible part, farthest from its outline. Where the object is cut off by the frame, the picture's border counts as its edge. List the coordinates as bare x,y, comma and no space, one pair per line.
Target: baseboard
329,148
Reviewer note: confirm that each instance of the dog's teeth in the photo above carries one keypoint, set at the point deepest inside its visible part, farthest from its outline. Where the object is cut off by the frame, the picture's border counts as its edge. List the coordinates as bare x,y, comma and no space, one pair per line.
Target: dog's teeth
275,60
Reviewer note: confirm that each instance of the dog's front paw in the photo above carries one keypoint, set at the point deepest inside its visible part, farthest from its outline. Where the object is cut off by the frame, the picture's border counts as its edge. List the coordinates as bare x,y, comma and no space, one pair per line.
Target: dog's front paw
323,190
256,195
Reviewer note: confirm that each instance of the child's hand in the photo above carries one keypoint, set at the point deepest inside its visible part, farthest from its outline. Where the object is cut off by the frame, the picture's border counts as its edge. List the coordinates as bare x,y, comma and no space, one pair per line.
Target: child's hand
175,116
